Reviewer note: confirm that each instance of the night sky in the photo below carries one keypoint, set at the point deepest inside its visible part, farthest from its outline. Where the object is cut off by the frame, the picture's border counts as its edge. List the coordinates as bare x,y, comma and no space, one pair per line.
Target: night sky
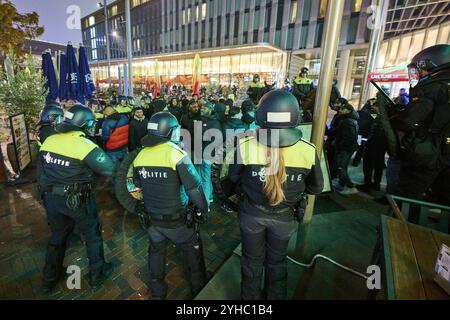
54,18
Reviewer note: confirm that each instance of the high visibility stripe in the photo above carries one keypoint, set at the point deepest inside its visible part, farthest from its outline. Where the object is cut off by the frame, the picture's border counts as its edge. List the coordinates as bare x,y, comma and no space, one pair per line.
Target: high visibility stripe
300,155
72,145
256,85
303,81
166,155
122,109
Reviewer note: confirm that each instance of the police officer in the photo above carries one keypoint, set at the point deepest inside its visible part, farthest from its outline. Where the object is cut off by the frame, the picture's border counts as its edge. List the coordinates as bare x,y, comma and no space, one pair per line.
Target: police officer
169,181
273,170
254,90
67,160
425,123
51,115
302,85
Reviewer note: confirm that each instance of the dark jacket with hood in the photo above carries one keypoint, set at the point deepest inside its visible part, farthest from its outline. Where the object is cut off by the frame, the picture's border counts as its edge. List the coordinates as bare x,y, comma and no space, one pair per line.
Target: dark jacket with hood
138,130
347,132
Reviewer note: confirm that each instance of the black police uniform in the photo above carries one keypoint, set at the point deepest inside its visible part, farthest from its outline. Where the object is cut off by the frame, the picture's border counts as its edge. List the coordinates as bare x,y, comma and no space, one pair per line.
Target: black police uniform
168,181
427,115
266,230
45,131
67,162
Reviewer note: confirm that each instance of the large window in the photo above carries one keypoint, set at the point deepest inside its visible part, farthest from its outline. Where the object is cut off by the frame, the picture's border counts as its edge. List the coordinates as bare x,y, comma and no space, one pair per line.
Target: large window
357,7
293,12
323,8
203,11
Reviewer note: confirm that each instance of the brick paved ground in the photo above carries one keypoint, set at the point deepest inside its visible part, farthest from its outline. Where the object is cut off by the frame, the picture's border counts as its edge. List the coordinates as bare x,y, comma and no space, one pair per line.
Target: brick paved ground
24,234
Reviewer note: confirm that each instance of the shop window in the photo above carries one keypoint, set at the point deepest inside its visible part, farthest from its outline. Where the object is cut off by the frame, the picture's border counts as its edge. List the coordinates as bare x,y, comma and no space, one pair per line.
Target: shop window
293,12
323,8
91,21
357,6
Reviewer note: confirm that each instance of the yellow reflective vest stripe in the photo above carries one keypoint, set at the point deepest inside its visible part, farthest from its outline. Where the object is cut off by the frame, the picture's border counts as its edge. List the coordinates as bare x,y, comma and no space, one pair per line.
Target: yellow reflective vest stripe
300,80
256,85
166,155
300,155
72,145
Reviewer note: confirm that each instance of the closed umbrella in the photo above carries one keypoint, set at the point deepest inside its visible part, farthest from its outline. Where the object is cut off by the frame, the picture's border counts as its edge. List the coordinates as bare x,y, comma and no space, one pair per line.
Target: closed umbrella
72,78
63,77
51,84
85,83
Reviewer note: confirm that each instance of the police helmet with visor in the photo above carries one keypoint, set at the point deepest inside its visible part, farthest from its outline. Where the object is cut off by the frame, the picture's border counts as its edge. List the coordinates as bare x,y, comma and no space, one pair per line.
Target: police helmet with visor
431,60
80,117
51,113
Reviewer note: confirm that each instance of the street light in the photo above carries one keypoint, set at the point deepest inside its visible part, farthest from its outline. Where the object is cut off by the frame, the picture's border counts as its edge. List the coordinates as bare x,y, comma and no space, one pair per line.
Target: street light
108,46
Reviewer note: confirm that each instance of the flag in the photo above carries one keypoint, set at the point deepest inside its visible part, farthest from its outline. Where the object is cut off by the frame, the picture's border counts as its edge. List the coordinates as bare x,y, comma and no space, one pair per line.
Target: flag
157,88
196,75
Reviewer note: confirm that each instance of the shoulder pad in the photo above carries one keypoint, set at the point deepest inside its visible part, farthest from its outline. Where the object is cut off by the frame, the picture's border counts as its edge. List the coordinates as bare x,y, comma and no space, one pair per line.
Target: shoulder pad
308,143
176,147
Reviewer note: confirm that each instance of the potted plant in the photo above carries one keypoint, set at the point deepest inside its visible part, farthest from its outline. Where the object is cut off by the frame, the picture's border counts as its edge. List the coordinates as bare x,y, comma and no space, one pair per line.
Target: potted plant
22,91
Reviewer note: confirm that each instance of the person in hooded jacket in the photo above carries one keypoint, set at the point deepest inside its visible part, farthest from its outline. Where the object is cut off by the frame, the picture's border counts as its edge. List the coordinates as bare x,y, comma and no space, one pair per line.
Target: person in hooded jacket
346,143
115,134
175,108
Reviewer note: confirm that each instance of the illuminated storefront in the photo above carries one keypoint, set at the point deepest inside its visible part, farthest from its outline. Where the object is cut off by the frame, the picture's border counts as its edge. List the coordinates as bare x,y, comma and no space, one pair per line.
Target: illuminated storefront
218,66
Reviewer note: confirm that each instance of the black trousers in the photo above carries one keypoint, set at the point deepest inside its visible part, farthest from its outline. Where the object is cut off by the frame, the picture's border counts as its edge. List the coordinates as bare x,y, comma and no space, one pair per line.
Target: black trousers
62,221
342,162
265,242
413,184
373,165
189,243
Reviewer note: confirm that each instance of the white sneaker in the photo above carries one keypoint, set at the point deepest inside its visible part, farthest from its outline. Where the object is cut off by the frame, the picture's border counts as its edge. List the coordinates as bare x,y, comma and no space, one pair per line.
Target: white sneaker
348,191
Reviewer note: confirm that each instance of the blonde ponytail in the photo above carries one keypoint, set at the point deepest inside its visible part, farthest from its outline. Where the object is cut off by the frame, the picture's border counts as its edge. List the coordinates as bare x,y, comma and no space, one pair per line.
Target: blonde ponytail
275,177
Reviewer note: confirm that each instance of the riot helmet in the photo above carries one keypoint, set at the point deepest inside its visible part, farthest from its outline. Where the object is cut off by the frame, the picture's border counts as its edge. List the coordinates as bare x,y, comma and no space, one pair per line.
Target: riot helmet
51,113
79,117
304,71
256,78
278,109
162,127
431,60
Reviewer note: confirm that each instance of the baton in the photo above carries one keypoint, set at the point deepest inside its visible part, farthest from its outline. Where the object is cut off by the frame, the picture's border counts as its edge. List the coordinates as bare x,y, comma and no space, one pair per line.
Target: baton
382,92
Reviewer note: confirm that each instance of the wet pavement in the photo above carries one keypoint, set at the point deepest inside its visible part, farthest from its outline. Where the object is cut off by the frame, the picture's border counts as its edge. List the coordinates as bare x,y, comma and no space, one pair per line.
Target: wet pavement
24,234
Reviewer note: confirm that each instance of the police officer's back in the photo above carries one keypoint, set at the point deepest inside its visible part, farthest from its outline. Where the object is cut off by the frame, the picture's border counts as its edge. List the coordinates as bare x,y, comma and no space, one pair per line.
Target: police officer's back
169,182
273,174
67,162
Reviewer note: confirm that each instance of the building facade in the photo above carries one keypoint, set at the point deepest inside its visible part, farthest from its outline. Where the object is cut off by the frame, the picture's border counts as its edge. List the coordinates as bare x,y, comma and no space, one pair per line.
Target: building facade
236,38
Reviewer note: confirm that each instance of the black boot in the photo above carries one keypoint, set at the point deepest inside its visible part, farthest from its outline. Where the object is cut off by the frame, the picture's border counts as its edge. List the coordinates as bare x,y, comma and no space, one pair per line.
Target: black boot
53,269
98,275
366,187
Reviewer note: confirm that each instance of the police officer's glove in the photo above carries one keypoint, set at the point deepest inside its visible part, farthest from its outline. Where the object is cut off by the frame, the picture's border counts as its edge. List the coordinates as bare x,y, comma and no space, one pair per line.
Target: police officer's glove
200,216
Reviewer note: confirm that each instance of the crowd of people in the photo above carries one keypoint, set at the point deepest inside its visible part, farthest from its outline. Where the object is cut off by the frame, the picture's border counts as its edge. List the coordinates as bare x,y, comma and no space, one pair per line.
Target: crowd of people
271,201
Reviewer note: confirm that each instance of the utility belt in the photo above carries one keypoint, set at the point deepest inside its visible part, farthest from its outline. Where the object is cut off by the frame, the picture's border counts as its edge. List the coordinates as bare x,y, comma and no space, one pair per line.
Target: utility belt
76,194
147,219
298,210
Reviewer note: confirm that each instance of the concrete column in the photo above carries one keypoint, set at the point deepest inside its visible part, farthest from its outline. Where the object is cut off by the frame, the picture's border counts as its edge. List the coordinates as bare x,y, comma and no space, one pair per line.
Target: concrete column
343,69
